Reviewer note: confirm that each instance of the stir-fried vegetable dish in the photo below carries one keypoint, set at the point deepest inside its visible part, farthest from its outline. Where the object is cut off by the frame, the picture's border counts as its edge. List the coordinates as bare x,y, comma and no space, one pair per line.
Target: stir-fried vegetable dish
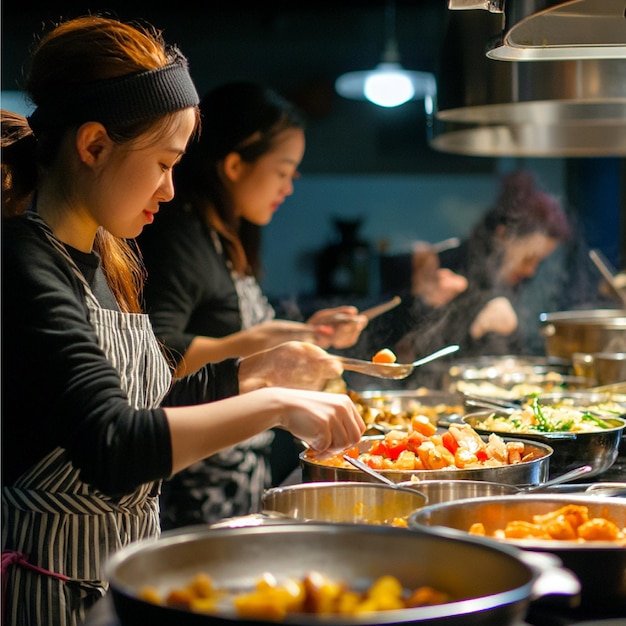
315,593
422,448
538,418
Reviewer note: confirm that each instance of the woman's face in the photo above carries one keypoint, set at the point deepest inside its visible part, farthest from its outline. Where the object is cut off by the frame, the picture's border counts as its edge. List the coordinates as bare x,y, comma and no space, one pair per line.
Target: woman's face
259,188
138,177
521,256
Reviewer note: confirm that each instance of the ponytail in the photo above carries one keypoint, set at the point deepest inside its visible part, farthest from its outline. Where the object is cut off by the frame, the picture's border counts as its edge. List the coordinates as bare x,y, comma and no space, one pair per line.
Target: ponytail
19,170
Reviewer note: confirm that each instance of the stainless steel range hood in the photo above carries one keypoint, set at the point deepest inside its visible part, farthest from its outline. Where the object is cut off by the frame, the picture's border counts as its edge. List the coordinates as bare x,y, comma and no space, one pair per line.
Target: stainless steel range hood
555,30
552,108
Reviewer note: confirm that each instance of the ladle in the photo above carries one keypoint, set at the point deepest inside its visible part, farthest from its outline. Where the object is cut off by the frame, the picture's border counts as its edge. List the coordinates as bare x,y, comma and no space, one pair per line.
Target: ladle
395,371
557,480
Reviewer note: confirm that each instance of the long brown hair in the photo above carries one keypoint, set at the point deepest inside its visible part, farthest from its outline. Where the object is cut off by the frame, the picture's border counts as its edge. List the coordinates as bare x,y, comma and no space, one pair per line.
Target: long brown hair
73,54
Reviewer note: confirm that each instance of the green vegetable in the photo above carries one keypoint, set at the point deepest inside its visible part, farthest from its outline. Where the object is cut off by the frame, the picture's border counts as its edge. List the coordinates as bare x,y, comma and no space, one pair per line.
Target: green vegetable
543,425
600,423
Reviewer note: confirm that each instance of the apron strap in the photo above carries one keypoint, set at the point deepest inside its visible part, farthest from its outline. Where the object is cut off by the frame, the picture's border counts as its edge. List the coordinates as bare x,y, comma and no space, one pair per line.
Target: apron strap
11,557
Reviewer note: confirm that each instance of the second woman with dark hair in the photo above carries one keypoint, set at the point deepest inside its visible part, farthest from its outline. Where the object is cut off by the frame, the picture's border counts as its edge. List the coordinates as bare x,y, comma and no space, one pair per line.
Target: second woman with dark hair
202,292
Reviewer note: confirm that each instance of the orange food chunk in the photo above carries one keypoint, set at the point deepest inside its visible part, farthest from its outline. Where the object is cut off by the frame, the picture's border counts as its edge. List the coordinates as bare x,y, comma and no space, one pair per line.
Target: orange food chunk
384,356
421,424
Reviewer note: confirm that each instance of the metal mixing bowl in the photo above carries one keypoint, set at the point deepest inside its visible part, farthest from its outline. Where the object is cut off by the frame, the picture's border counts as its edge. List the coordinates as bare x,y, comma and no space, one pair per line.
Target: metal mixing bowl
531,472
492,585
599,449
600,566
356,502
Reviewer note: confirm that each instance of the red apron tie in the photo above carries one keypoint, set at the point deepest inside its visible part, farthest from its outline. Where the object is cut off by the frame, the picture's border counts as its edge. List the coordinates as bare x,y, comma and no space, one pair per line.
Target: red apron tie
11,557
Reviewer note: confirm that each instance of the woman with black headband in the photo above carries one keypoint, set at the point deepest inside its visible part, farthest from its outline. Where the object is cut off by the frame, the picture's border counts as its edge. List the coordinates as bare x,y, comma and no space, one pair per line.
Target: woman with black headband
92,421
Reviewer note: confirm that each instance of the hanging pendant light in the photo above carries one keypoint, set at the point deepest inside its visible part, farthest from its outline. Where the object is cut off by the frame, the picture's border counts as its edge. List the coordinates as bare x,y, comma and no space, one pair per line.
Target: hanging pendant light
388,84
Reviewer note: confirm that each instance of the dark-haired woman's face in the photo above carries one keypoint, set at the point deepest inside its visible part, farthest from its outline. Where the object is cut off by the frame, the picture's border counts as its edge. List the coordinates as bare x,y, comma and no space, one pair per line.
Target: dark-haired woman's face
261,187
521,256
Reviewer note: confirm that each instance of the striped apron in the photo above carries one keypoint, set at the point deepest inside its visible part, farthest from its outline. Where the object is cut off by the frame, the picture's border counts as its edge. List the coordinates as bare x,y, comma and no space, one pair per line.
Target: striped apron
58,531
232,481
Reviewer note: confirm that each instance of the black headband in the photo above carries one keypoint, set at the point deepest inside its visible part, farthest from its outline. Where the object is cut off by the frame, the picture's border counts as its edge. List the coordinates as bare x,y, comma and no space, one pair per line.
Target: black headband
125,99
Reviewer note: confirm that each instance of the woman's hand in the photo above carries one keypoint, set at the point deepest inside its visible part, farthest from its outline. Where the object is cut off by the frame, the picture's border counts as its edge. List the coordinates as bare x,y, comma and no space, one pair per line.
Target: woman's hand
339,327
497,316
294,364
327,422
435,285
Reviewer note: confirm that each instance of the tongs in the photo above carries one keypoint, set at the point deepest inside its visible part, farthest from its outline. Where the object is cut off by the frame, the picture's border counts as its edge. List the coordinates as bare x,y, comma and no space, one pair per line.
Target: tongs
394,371
496,404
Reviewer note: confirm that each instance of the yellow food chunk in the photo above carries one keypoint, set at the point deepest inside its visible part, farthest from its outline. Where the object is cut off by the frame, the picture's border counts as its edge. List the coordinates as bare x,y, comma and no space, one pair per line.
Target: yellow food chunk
150,594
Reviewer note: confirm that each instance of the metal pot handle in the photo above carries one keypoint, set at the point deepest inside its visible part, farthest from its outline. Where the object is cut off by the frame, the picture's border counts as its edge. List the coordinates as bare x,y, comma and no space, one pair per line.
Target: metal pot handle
553,578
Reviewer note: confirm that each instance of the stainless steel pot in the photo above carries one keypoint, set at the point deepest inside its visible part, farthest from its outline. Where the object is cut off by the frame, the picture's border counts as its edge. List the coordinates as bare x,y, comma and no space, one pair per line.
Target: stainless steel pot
355,502
599,449
596,330
493,584
450,490
531,472
604,367
600,566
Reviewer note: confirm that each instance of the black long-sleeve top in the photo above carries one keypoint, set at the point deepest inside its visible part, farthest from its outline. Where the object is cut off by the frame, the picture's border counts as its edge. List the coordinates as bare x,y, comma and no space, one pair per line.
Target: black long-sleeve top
189,290
59,389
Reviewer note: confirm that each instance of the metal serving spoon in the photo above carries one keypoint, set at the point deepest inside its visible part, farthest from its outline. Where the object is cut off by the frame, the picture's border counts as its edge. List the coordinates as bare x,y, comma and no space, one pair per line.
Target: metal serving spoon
368,470
395,371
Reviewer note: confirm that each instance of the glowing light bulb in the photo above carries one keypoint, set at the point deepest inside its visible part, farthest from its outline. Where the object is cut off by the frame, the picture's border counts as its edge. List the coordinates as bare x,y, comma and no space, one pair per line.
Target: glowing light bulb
388,88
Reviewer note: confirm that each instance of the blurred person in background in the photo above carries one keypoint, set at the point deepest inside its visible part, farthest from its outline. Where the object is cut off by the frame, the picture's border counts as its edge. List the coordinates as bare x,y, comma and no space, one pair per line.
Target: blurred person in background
202,293
503,252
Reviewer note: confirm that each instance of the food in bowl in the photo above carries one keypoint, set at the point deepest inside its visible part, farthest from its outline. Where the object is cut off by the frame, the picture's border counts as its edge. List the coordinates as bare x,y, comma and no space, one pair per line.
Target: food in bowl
422,448
599,565
539,418
515,388
315,593
571,522
392,410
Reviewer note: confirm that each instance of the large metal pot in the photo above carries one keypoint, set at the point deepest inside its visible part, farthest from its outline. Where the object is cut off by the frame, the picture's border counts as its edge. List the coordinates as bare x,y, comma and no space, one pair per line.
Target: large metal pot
355,502
531,472
596,330
493,584
600,566
604,367
598,449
